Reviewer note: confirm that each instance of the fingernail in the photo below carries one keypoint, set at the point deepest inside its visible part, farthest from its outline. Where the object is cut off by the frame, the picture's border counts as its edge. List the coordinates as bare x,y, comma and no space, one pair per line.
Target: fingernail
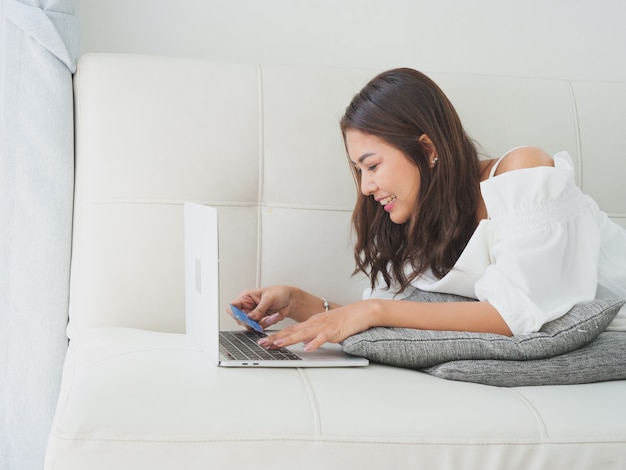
272,319
263,342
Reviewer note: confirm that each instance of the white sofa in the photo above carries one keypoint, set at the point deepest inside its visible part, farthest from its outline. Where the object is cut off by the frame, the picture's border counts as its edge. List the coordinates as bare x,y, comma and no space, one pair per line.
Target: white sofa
262,144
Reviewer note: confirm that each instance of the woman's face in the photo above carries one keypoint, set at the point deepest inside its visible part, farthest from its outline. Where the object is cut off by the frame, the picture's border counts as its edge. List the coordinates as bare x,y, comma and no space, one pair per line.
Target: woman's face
386,174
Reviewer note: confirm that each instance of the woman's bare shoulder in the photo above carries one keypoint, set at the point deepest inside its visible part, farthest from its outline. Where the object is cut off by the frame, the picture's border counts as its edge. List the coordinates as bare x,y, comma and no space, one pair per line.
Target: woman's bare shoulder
524,157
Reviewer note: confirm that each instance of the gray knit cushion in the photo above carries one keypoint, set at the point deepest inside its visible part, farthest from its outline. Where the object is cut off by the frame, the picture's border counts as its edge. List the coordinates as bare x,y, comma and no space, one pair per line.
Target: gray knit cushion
419,349
601,360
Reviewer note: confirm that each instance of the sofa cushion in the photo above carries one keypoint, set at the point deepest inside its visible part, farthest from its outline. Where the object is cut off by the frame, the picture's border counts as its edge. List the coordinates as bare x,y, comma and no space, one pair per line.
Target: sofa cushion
419,349
146,399
601,360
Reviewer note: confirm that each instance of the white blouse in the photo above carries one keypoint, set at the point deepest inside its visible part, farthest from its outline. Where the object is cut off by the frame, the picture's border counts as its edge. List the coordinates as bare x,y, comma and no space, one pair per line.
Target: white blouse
544,247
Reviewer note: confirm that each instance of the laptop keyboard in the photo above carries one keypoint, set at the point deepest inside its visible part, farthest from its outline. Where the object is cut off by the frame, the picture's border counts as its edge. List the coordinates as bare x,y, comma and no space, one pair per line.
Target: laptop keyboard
242,346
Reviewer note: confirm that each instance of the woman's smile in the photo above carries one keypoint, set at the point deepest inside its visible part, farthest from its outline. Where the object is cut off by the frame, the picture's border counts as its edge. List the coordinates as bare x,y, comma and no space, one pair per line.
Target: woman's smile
388,202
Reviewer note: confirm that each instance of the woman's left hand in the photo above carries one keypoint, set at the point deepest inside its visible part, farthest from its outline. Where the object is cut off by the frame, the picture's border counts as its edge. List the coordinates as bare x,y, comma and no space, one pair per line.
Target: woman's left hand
327,327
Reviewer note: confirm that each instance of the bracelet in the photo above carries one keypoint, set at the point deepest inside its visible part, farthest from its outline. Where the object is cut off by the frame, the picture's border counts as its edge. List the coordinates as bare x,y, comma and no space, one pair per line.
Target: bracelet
326,304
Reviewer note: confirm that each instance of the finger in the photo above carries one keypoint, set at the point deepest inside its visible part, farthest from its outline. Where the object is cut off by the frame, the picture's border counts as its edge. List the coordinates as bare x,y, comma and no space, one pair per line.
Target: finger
244,303
242,324
261,308
320,340
270,320
291,335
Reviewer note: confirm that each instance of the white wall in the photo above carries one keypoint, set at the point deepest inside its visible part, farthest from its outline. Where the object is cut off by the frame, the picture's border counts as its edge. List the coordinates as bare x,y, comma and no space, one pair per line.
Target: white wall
576,39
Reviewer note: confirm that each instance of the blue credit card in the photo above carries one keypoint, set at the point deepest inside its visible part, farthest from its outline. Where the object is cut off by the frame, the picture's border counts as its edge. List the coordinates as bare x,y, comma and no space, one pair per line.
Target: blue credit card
242,317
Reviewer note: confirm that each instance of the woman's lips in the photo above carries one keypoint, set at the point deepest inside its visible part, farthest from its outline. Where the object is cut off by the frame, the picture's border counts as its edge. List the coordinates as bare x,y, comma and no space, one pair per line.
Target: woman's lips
388,202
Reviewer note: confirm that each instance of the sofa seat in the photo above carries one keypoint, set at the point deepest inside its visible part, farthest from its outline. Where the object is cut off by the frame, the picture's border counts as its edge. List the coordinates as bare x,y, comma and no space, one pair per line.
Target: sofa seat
154,400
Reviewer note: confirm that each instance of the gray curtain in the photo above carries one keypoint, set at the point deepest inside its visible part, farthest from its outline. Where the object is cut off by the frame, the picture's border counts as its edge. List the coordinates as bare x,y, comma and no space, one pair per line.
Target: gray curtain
38,51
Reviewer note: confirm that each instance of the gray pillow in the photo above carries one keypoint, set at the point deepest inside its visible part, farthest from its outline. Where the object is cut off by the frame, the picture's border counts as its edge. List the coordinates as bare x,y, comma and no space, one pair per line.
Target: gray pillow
601,360
419,349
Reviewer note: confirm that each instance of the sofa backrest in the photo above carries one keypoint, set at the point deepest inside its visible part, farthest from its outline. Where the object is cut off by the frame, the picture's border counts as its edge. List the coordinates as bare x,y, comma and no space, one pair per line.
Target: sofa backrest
262,144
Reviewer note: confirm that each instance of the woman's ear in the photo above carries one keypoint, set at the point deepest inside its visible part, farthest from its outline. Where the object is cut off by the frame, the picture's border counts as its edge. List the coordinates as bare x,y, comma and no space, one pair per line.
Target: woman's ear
430,149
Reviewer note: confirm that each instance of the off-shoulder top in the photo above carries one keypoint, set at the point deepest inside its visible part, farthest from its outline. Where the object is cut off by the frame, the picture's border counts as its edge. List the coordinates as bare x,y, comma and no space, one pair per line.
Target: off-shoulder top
544,247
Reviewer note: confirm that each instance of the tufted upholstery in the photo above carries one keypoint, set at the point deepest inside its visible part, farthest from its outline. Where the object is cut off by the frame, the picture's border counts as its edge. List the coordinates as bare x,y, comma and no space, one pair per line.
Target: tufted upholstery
262,144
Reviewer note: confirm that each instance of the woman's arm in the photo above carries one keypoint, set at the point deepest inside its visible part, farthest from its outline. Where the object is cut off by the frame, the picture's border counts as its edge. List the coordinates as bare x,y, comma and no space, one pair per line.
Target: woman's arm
338,324
449,316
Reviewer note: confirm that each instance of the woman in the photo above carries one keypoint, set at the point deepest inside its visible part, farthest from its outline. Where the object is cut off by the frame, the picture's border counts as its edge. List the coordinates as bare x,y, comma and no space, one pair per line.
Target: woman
516,233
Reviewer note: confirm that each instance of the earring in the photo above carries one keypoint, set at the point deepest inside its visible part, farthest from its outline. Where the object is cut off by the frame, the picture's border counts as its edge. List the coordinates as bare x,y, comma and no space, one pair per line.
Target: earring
435,160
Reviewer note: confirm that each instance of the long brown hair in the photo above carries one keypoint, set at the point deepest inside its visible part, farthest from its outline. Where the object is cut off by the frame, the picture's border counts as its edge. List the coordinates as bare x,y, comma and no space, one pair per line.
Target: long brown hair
399,106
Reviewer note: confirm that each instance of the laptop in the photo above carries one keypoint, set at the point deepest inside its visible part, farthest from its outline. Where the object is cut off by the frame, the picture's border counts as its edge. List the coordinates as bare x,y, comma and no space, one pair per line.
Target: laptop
236,348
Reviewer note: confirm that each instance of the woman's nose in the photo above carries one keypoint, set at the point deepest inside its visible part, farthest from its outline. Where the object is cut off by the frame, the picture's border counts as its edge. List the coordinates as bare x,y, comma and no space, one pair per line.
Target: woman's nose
367,185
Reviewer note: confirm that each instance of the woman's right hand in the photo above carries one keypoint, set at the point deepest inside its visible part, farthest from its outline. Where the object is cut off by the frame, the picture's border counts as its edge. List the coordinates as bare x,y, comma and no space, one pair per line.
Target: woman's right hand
267,305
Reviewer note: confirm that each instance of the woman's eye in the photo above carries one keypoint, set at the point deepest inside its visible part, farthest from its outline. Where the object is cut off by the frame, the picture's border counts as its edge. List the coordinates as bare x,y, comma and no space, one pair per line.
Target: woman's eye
369,168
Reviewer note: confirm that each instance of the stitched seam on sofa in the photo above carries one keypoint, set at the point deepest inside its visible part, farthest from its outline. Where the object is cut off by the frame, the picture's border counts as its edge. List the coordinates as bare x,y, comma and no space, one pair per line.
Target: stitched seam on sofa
617,215
176,202
255,204
261,131
305,207
63,394
458,442
261,181
317,421
579,148
543,430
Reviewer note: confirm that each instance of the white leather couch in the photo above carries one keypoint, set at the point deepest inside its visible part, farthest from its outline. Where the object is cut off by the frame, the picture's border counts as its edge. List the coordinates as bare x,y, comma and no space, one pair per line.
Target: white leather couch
262,144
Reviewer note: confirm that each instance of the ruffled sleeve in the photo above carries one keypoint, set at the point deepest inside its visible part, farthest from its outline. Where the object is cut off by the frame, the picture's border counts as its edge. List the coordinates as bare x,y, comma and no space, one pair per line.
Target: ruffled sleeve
544,245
